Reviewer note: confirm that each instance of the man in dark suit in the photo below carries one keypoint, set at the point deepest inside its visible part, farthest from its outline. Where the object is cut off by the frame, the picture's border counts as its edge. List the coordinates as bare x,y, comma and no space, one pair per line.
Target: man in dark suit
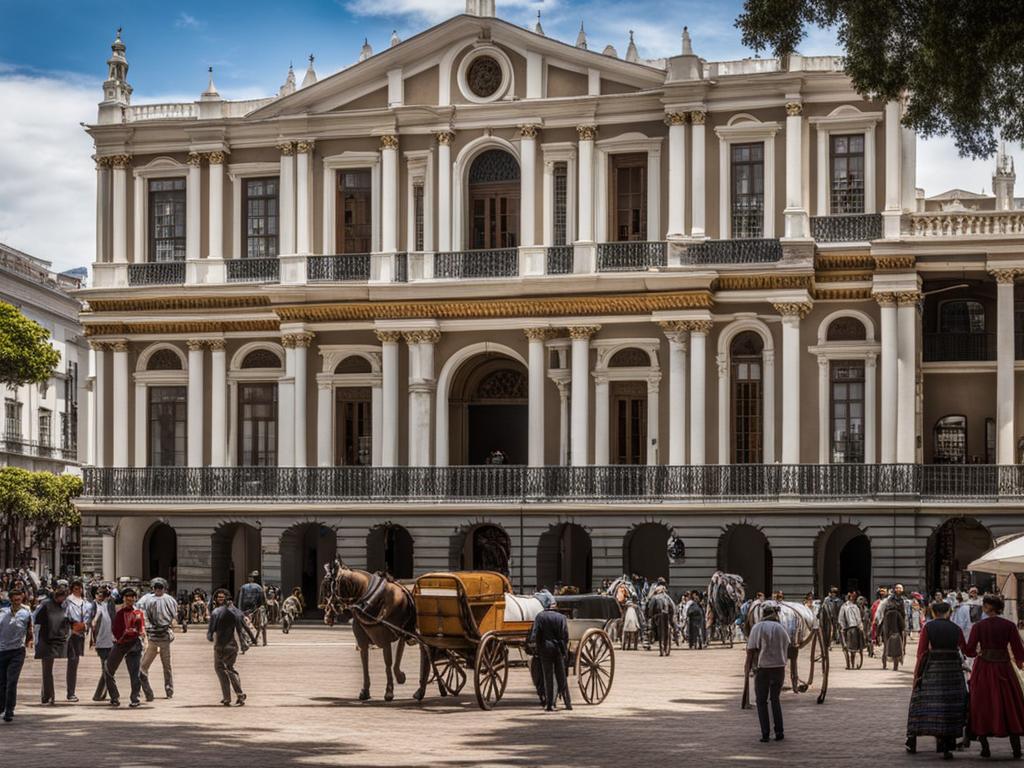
549,636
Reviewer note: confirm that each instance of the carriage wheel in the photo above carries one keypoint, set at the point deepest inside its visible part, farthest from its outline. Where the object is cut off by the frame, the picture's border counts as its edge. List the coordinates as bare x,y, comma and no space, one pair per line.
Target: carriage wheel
613,628
450,672
860,659
595,665
491,671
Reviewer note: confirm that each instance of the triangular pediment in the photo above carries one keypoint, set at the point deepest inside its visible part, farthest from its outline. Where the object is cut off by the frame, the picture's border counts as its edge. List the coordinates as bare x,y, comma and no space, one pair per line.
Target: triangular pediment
426,65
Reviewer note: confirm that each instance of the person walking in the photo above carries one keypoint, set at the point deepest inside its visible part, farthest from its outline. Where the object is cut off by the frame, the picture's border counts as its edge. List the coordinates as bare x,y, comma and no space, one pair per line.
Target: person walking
768,650
160,610
549,635
129,628
996,699
102,636
227,623
15,634
79,611
54,628
938,703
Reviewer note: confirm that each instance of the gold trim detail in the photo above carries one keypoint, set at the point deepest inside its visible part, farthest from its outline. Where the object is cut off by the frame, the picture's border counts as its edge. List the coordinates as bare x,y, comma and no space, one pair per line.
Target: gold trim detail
445,138
177,327
586,132
389,141
885,299
195,159
424,336
527,131
196,345
215,158
793,308
583,332
675,118
540,334
697,117
178,303
828,293
215,345
700,326
120,162
389,336
844,260
794,108
286,147
1005,275
304,146
894,263
764,282
903,298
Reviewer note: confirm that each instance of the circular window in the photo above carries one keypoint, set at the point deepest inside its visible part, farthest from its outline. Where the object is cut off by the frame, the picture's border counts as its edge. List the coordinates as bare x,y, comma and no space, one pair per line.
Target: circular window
484,76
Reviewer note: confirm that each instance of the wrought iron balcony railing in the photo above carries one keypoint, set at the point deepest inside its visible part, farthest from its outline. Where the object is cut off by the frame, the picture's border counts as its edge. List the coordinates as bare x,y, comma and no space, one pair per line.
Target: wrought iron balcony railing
157,273
253,270
847,228
631,256
950,347
338,268
401,267
754,251
14,444
516,484
559,259
490,262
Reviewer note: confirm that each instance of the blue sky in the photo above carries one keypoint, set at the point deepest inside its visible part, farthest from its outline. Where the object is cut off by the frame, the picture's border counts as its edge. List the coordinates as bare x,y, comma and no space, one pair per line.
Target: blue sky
53,54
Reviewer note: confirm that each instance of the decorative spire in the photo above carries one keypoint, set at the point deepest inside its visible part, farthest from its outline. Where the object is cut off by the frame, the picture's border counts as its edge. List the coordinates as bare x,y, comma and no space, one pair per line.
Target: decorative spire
115,88
537,27
366,51
1003,180
395,39
581,38
632,54
288,86
211,88
310,77
609,50
687,48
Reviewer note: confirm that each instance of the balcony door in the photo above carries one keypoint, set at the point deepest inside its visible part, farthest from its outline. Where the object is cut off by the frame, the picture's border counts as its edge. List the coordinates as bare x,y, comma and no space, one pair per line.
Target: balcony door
746,360
629,196
354,225
257,425
353,427
494,201
629,427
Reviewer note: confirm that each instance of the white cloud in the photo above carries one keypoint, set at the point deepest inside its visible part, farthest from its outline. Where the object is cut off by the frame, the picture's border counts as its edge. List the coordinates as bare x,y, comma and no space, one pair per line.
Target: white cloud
187,21
434,11
940,167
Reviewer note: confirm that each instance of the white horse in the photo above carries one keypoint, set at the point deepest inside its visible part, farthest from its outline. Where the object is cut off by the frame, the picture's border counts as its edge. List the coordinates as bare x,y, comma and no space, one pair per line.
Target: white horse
804,630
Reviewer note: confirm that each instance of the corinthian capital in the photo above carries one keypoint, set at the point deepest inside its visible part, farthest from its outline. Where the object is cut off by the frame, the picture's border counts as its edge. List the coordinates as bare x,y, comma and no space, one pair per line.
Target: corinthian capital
794,108
1005,275
793,308
120,162
583,332
675,118
445,138
389,336
389,141
586,132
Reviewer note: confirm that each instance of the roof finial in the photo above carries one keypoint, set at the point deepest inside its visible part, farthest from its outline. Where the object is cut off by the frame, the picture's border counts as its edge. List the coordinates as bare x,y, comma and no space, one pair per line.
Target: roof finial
288,86
115,88
687,48
310,77
537,27
395,39
581,38
632,54
366,51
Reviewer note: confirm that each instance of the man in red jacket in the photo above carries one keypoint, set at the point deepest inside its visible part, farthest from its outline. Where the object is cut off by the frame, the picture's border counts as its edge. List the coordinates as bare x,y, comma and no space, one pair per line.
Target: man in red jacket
128,629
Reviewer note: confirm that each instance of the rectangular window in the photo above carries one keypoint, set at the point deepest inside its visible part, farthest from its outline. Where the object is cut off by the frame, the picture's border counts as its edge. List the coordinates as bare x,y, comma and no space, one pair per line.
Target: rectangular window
747,180
64,431
257,425
847,181
12,420
417,213
168,426
355,211
629,196
167,220
260,203
45,428
353,427
847,412
561,210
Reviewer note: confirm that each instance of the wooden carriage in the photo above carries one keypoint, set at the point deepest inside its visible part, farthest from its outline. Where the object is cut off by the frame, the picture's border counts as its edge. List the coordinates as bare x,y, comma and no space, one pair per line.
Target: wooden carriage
464,620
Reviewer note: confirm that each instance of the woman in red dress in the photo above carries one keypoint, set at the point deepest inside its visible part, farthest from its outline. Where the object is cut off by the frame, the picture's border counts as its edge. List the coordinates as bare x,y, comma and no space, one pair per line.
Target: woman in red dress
997,701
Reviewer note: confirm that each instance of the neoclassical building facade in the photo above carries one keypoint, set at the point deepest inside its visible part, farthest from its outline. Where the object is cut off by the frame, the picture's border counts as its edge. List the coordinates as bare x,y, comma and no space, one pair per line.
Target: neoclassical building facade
488,299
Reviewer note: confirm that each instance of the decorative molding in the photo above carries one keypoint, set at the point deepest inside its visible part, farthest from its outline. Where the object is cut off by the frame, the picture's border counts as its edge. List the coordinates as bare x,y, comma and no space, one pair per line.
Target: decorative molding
527,131
301,339
102,163
195,159
1005,275
793,308
697,117
177,303
675,118
700,326
120,162
828,293
304,146
181,327
586,132
794,109
196,345
903,298
445,138
287,148
894,263
764,282
389,141
385,337
215,344
583,332
215,158
422,336
885,299
120,345
844,260
541,334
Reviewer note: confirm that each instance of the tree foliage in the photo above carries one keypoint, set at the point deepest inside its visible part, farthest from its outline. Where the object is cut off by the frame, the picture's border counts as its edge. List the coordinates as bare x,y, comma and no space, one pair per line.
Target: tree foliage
26,356
41,499
961,61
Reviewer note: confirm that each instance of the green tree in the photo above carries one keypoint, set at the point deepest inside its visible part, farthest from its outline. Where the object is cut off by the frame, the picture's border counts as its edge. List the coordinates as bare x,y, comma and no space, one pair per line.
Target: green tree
26,356
962,61
55,508
18,503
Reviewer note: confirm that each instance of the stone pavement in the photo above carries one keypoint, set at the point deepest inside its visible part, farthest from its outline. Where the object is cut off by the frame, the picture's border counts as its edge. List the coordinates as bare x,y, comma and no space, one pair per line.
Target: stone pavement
302,711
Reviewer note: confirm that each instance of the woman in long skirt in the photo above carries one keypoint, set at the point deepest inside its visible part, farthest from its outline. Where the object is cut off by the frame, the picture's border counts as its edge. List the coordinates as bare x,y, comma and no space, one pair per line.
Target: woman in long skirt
938,704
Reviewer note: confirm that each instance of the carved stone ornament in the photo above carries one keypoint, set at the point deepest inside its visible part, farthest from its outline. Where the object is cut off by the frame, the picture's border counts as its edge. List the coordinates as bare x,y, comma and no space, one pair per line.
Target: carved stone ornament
700,326
286,148
794,108
120,162
389,141
386,337
215,158
675,118
1005,275
304,146
445,138
697,117
908,297
885,299
196,345
540,334
583,332
793,308
527,131
586,132
121,345
303,339
215,345
484,76
195,159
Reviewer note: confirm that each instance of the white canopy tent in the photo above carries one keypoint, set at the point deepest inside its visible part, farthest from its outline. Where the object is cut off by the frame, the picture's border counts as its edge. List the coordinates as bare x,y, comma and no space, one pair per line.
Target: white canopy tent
1005,560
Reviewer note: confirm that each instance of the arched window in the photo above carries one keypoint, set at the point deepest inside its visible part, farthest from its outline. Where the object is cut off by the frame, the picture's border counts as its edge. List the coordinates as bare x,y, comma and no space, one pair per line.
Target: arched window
951,440
261,358
846,329
494,200
631,357
746,360
354,364
164,360
961,316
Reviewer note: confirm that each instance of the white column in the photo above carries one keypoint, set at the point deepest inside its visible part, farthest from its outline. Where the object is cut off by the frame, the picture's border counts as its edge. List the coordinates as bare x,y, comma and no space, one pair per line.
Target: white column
724,407
195,402
893,172
215,249
444,190
1005,438
791,359
697,163
232,457
286,205
426,386
698,382
193,210
677,337
528,184
906,430
218,404
376,424
389,193
870,409
413,368
768,356
535,408
580,403
139,252
548,206
389,394
301,375
653,419
102,202
99,399
120,401
303,187
108,558
324,421
141,425
602,421
563,423
119,204
676,175
890,376
824,417
795,213
586,185
908,168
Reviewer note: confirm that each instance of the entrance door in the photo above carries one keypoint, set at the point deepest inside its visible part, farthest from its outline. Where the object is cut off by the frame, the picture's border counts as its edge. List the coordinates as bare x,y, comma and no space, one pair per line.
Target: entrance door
629,409
354,225
629,197
353,431
494,201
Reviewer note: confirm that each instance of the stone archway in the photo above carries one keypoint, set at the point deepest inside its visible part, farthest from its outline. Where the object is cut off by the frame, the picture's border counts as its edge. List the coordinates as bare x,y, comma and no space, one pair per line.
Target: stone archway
565,558
160,555
305,548
482,547
235,552
744,550
842,558
951,548
488,409
645,551
389,548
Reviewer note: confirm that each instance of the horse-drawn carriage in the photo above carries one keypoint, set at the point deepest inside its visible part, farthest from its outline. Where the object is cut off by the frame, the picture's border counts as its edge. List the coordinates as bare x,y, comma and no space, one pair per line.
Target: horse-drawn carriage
470,622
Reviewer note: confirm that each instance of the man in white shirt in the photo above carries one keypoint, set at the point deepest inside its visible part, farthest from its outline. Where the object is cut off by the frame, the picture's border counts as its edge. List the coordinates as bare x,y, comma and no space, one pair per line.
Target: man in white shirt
160,610
102,638
15,631
768,649
79,611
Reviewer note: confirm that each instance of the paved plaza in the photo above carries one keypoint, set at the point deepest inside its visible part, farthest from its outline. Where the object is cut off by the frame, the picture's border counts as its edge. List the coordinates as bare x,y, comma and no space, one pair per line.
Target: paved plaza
302,710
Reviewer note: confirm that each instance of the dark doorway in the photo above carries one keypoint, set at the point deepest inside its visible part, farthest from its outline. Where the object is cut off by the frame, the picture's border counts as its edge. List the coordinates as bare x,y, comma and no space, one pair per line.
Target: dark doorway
646,551
565,558
234,554
304,550
161,551
855,565
353,427
389,548
951,548
486,548
744,550
488,412
494,200
842,555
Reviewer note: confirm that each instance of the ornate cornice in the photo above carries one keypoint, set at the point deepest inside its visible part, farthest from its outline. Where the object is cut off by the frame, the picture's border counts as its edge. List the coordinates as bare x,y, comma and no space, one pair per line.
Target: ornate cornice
697,117
764,282
286,147
582,332
540,334
586,132
195,159
445,138
794,109
180,327
894,263
675,118
793,308
215,158
389,141
844,260
841,293
385,337
527,131
179,303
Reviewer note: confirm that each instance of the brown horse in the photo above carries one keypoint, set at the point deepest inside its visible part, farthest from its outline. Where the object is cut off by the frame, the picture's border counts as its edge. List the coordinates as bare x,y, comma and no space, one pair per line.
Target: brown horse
376,604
